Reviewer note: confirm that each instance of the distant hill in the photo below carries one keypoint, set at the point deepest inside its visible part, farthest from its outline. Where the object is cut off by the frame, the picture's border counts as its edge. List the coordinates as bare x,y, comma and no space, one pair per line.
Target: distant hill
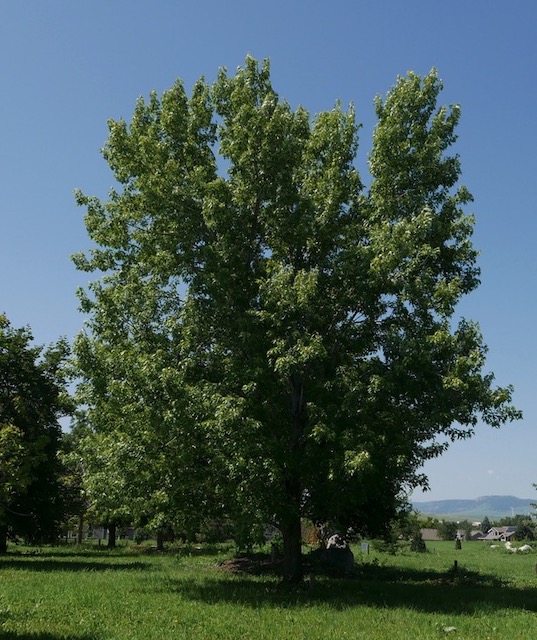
490,506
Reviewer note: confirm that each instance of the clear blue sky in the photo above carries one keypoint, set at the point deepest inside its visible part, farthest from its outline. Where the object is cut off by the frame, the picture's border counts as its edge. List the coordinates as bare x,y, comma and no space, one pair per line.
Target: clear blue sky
66,67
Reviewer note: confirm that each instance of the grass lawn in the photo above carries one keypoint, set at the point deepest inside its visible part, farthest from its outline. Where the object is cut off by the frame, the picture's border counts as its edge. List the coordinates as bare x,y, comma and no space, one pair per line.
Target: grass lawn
86,593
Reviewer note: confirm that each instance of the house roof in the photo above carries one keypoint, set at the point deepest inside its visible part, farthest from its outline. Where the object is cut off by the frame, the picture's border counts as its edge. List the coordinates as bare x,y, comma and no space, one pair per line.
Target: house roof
430,535
499,533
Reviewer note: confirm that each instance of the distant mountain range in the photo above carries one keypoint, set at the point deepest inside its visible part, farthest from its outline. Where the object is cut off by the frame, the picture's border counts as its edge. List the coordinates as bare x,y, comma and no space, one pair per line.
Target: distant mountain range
489,506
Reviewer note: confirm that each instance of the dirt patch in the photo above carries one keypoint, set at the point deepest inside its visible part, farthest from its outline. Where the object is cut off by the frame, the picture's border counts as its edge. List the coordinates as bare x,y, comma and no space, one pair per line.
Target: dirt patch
251,564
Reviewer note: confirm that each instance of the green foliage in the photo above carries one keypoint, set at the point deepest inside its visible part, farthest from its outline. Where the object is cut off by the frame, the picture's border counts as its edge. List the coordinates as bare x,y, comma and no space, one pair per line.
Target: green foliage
141,535
428,522
447,530
515,520
526,526
269,340
387,545
32,399
408,527
417,543
71,482
14,463
526,530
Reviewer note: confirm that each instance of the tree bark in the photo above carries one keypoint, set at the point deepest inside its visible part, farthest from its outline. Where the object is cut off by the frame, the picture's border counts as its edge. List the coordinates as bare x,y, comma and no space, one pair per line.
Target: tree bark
112,531
293,571
291,525
3,539
160,540
80,531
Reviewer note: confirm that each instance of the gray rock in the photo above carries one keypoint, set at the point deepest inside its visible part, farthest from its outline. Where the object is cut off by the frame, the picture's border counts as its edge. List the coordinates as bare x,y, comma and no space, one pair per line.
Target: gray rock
337,555
336,542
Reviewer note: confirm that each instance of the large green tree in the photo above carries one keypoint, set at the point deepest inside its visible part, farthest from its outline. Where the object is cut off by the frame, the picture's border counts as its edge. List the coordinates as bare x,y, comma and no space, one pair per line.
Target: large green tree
32,399
283,334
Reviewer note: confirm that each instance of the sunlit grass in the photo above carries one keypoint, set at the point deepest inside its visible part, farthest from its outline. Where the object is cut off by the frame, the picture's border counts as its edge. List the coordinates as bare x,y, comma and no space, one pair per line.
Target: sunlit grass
91,594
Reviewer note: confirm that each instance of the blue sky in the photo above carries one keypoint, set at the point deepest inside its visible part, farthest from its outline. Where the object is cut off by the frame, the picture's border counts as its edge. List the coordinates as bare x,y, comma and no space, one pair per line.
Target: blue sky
66,67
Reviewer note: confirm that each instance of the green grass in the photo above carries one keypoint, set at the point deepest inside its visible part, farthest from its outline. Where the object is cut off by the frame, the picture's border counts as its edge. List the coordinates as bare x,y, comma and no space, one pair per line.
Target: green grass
91,594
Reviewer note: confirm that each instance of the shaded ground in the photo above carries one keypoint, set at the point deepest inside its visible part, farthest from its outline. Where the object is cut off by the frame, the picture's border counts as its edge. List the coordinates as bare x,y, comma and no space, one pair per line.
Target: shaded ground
251,564
59,564
456,591
426,591
14,635
263,564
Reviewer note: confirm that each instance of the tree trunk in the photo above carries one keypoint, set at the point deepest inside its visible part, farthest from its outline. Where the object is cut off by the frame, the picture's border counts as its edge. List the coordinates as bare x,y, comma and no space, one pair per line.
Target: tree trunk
292,551
160,540
3,539
80,531
291,525
112,531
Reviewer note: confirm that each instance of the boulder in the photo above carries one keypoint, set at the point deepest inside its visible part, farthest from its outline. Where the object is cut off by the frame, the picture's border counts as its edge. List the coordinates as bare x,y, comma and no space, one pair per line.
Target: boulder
337,555
336,542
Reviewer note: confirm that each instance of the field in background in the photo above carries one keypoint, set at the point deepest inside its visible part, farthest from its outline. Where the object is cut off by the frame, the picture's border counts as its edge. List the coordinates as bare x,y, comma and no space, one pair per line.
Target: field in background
185,593
493,507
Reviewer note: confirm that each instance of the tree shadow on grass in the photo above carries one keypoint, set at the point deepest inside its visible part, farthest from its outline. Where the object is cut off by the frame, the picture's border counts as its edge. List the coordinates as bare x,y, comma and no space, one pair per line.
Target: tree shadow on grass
73,552
14,635
135,551
461,592
201,550
25,563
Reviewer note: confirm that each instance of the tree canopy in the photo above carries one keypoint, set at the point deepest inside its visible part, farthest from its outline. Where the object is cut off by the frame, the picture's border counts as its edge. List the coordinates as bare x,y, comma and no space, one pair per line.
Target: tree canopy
272,338
32,399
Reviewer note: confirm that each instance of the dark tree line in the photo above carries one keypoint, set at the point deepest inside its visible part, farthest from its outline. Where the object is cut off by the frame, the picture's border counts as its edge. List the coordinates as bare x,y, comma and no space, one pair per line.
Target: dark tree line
34,498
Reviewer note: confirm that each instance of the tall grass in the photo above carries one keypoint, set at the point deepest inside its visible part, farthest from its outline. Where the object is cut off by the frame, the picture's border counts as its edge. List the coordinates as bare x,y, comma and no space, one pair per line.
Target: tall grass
91,594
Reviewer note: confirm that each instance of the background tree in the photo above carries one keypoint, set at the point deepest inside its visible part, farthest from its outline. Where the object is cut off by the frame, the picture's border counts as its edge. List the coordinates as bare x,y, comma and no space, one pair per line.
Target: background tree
525,529
485,525
14,474
465,526
534,505
293,330
525,526
32,399
447,530
72,489
428,522
408,527
141,460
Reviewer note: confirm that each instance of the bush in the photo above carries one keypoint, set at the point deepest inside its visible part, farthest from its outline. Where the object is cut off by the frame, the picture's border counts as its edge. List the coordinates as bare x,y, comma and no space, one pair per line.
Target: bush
140,535
216,530
447,530
386,546
417,543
